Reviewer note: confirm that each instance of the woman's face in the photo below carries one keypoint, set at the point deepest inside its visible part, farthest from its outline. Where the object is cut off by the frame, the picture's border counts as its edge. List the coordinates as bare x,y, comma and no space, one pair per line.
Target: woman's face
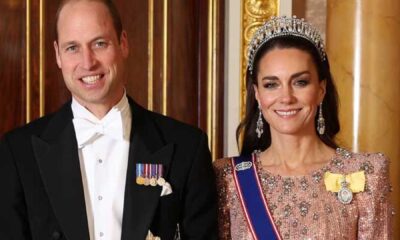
289,91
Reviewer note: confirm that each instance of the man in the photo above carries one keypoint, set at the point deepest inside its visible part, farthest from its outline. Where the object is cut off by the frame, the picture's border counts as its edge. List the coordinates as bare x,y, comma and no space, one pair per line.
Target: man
102,167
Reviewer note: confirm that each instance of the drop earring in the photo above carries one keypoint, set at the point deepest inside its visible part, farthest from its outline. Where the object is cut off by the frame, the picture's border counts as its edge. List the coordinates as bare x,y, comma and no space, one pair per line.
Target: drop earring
260,124
320,121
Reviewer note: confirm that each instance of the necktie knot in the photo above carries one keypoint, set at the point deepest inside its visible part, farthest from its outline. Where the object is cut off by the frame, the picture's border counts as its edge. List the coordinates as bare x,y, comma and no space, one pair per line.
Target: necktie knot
99,128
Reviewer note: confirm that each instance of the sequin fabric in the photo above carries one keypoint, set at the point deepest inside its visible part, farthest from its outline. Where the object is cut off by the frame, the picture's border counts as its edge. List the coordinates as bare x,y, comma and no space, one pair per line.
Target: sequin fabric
303,209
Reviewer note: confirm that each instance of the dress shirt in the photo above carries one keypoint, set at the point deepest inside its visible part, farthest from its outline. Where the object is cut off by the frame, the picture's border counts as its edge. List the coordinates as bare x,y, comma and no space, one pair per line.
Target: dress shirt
104,161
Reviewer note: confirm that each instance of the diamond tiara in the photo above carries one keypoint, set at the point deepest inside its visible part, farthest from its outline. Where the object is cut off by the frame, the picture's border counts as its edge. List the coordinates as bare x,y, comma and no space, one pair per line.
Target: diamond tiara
284,26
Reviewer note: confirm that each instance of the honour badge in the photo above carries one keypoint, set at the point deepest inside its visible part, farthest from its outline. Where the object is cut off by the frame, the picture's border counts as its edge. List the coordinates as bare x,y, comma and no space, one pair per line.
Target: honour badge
345,195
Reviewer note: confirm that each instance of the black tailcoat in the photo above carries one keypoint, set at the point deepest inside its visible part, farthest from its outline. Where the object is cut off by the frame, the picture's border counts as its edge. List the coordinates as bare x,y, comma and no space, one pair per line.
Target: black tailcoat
41,184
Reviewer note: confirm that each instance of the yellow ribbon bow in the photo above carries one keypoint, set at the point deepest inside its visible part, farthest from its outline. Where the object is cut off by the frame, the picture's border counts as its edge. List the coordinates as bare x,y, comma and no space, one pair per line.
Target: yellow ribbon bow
355,181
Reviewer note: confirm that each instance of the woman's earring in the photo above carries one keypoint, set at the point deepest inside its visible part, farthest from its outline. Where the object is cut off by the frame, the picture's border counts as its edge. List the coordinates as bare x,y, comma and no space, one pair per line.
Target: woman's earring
320,121
260,124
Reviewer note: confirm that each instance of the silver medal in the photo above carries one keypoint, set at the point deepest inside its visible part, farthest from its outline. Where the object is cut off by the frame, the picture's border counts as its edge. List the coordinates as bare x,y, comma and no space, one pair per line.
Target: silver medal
345,195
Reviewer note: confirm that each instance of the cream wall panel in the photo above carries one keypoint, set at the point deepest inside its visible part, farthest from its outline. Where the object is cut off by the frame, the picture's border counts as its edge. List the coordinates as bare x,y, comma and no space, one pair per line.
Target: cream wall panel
232,76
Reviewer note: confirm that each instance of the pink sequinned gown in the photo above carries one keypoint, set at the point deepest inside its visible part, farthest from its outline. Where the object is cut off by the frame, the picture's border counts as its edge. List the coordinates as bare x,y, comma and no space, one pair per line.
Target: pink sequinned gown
303,209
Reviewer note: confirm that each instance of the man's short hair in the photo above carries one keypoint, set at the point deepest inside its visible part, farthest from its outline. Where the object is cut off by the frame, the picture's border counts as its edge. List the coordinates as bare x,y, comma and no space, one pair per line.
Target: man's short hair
109,5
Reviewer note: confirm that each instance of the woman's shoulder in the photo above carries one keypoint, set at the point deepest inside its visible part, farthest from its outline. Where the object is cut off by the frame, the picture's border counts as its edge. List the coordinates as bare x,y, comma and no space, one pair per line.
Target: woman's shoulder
374,165
222,163
223,171
370,163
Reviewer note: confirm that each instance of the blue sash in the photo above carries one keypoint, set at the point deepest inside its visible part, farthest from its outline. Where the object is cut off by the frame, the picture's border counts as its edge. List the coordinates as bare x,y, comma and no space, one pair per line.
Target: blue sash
252,199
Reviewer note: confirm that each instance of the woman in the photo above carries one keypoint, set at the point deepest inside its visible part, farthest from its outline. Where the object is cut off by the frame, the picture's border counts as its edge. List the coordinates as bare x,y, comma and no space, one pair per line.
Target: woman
291,180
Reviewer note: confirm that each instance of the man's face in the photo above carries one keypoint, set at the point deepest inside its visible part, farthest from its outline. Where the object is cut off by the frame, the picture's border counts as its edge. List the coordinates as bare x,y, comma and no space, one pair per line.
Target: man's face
90,54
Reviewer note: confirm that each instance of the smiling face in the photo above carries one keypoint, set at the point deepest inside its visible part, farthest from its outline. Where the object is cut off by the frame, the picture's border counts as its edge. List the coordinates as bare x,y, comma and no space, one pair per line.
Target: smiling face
90,54
289,91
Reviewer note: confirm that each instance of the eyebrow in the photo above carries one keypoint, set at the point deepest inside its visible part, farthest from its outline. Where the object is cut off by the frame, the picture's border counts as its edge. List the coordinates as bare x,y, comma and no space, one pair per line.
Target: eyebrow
275,78
67,44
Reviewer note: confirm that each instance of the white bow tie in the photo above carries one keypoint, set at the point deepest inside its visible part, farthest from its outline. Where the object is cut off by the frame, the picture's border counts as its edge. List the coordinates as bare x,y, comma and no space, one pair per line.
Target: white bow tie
87,130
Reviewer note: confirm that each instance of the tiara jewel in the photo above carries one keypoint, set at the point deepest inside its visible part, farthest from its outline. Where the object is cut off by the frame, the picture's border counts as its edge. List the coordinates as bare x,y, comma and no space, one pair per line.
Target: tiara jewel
284,26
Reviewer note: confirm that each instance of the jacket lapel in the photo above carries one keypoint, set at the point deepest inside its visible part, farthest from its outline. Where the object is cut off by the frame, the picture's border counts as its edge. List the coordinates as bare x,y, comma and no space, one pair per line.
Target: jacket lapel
147,146
57,157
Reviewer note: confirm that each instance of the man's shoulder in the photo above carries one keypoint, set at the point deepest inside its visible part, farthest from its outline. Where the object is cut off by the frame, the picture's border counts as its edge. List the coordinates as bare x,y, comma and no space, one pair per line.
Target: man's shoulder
171,125
166,124
35,127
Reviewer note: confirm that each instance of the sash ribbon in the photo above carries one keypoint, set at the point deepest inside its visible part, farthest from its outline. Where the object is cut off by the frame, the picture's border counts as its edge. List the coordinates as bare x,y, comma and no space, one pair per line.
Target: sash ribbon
252,199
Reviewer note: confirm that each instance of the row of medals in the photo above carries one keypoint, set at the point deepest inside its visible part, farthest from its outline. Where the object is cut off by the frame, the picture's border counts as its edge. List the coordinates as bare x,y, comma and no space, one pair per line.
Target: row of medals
153,181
